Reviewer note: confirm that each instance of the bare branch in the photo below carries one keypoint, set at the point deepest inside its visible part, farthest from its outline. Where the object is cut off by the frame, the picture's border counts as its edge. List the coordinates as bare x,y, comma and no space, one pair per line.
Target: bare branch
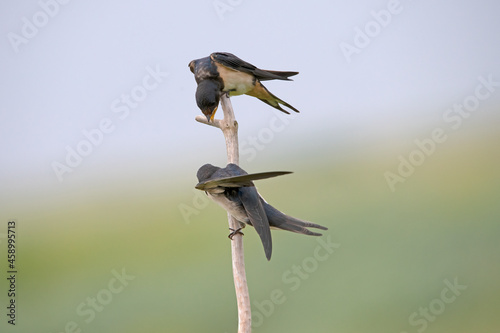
203,120
229,128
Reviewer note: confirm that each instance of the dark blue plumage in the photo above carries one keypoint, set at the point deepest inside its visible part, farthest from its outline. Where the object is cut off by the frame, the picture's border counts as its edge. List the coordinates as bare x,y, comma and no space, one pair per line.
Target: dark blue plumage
233,189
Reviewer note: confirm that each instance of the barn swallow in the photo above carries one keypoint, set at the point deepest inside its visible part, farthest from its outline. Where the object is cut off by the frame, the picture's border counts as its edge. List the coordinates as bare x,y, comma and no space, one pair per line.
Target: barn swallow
233,189
226,73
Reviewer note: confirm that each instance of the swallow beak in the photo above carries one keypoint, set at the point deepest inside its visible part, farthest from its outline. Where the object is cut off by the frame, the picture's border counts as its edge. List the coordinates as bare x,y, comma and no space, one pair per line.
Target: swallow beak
210,117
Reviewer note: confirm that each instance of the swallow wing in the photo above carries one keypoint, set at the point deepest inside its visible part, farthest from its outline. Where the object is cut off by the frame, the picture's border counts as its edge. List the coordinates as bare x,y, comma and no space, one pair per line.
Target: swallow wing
255,211
237,181
231,61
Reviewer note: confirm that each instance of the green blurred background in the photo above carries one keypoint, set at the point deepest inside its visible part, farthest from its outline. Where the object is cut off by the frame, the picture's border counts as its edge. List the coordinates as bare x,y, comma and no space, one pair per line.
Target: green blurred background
130,209
395,249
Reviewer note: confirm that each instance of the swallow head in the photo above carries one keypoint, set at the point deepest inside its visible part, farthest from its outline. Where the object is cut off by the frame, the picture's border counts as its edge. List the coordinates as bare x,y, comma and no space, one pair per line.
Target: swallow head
206,171
207,97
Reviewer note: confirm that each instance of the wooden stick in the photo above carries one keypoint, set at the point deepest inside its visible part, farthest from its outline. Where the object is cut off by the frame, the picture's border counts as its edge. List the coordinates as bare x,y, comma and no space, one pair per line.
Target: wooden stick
229,128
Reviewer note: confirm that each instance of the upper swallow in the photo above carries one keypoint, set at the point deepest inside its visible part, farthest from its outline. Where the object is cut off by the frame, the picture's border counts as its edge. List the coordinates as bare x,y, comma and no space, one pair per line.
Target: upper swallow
223,72
233,189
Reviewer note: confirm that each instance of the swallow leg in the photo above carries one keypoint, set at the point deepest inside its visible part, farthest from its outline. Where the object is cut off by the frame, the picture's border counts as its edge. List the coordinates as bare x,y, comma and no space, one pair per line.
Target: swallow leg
235,232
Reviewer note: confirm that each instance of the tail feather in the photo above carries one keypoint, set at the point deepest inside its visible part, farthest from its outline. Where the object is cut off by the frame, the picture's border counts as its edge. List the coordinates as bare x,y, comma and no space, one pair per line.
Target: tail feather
298,229
282,221
268,98
286,104
281,75
275,105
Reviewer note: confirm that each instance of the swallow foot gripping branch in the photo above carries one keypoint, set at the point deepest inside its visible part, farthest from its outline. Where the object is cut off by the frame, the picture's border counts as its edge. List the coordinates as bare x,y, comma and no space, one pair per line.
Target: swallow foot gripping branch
235,232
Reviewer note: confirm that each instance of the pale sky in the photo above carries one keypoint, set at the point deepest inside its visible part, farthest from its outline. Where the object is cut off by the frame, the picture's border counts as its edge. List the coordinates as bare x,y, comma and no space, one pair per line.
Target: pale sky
66,67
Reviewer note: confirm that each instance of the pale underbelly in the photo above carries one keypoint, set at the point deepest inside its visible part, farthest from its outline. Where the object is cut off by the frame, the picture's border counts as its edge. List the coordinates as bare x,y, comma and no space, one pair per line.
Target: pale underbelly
236,210
236,83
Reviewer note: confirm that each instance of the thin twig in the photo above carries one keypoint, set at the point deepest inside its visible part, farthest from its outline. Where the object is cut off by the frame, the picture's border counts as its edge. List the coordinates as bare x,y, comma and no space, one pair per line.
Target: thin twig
229,128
